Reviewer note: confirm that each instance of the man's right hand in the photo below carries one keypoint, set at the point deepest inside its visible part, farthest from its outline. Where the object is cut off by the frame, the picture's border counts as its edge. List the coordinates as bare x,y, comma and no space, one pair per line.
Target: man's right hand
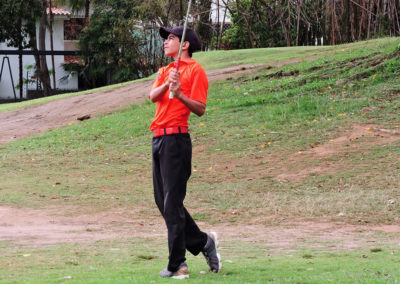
156,93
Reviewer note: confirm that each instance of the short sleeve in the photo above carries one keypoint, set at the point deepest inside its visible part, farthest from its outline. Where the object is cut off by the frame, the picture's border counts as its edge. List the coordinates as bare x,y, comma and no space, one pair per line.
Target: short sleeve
159,80
199,84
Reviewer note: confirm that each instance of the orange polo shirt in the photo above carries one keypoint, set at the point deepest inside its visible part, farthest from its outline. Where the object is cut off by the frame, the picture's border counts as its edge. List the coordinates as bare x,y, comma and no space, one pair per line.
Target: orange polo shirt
194,85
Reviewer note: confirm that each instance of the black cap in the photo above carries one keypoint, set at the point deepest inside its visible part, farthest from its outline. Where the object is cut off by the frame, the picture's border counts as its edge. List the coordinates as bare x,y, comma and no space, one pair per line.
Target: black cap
190,36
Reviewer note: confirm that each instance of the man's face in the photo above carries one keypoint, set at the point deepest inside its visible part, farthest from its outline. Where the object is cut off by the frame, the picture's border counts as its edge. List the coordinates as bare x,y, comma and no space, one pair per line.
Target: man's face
171,45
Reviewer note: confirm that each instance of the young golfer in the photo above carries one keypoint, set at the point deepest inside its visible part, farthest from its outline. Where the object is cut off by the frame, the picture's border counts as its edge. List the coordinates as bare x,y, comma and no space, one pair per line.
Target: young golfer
172,150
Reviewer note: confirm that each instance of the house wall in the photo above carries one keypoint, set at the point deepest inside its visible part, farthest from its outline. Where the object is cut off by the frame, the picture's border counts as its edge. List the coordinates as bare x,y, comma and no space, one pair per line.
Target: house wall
214,12
6,90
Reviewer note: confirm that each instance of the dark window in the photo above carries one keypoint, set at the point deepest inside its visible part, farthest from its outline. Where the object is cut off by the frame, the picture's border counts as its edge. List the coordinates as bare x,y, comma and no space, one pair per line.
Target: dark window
73,28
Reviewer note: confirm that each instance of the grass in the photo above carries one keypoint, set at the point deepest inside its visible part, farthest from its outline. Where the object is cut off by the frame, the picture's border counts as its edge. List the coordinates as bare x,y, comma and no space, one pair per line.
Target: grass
136,261
257,128
219,59
223,58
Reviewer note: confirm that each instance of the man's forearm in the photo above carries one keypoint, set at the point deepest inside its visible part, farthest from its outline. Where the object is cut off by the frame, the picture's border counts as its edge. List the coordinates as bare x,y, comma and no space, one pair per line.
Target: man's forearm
156,93
196,107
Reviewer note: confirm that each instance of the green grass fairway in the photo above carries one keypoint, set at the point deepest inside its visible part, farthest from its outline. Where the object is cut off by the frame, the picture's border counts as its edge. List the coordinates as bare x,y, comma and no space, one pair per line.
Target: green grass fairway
136,261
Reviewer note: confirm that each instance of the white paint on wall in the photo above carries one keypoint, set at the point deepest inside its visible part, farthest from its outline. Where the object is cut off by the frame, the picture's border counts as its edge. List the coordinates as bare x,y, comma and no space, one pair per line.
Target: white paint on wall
6,90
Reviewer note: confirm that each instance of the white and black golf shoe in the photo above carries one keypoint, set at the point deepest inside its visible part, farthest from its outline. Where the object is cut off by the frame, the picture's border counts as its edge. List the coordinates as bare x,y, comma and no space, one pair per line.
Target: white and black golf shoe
210,253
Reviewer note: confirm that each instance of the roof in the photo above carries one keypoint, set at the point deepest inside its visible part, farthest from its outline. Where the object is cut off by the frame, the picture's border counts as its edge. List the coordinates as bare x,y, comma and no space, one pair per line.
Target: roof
73,59
58,11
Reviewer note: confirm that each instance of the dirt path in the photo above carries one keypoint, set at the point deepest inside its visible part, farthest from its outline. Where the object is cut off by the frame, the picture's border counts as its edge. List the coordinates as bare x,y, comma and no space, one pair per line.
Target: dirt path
52,226
33,120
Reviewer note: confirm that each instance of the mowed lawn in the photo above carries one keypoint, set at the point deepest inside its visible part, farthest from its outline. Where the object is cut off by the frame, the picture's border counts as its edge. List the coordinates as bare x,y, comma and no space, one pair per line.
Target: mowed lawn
315,141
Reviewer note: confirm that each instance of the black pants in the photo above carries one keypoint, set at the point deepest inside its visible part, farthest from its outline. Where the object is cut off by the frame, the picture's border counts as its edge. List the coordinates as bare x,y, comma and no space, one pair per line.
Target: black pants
172,161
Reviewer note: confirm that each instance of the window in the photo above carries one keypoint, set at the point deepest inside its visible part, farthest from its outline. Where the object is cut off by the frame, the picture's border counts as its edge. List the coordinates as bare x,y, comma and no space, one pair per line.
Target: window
73,28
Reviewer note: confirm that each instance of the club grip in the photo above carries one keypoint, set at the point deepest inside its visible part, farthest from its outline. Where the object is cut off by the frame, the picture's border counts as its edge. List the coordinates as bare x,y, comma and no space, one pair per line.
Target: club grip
178,61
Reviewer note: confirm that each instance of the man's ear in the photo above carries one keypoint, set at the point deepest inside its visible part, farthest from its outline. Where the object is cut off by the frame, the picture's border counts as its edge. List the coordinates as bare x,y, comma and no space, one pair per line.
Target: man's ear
186,45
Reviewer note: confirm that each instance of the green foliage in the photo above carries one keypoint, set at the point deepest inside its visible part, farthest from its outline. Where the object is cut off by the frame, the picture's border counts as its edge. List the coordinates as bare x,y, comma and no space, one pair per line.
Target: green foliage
262,31
18,22
100,44
289,23
235,38
204,30
117,46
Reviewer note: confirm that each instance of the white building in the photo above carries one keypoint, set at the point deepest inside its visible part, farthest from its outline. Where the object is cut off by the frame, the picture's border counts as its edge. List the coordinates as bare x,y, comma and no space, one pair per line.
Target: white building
220,13
70,81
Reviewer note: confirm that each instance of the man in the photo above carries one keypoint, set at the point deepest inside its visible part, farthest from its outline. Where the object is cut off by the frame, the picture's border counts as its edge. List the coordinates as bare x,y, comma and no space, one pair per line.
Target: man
172,150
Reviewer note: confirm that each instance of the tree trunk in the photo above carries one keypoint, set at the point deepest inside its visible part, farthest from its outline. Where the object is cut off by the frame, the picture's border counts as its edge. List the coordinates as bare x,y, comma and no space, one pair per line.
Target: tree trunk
52,43
87,10
377,18
385,5
217,30
21,77
396,19
221,31
43,70
249,32
298,21
353,11
362,21
180,9
287,28
371,3
347,21
333,8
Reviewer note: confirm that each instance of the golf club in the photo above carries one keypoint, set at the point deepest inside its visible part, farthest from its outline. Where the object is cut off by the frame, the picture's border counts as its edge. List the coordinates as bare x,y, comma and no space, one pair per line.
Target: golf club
171,95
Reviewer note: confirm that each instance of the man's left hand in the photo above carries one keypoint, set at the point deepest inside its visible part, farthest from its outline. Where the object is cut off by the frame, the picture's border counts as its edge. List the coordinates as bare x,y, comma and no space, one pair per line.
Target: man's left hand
174,83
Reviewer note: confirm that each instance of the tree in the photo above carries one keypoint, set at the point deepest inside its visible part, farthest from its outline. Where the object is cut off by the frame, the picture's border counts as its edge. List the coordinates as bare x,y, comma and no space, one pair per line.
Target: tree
122,41
51,16
18,26
110,44
42,63
262,23
203,25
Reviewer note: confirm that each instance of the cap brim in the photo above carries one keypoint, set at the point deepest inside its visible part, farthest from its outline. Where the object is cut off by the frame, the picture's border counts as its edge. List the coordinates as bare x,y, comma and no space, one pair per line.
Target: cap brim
165,32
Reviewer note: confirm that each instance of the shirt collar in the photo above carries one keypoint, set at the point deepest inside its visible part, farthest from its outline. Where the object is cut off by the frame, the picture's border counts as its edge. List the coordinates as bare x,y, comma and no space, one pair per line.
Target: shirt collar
183,61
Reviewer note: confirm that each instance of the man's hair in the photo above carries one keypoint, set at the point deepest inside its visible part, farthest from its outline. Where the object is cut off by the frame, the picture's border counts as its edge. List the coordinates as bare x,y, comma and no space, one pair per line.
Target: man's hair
190,47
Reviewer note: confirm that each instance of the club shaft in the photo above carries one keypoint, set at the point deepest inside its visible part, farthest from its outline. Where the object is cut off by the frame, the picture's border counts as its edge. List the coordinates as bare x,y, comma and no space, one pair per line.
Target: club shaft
178,61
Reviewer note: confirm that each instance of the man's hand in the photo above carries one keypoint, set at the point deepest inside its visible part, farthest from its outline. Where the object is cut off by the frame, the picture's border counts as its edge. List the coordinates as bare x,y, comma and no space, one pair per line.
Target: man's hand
174,83
175,87
156,93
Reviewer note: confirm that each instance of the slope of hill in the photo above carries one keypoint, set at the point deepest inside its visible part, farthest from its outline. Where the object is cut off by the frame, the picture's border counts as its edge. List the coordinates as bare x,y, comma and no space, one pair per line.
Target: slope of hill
299,158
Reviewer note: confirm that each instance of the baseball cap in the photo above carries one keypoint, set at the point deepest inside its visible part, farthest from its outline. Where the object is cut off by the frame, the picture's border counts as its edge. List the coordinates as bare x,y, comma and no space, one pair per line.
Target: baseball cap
190,36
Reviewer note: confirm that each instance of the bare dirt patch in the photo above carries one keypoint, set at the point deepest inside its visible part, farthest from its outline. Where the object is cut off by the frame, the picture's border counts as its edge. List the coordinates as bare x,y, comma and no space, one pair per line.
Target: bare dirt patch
53,225
360,136
296,166
49,226
326,235
371,134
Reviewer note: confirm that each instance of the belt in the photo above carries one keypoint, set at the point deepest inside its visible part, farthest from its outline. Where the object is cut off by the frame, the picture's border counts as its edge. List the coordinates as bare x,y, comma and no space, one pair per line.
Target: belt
170,130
